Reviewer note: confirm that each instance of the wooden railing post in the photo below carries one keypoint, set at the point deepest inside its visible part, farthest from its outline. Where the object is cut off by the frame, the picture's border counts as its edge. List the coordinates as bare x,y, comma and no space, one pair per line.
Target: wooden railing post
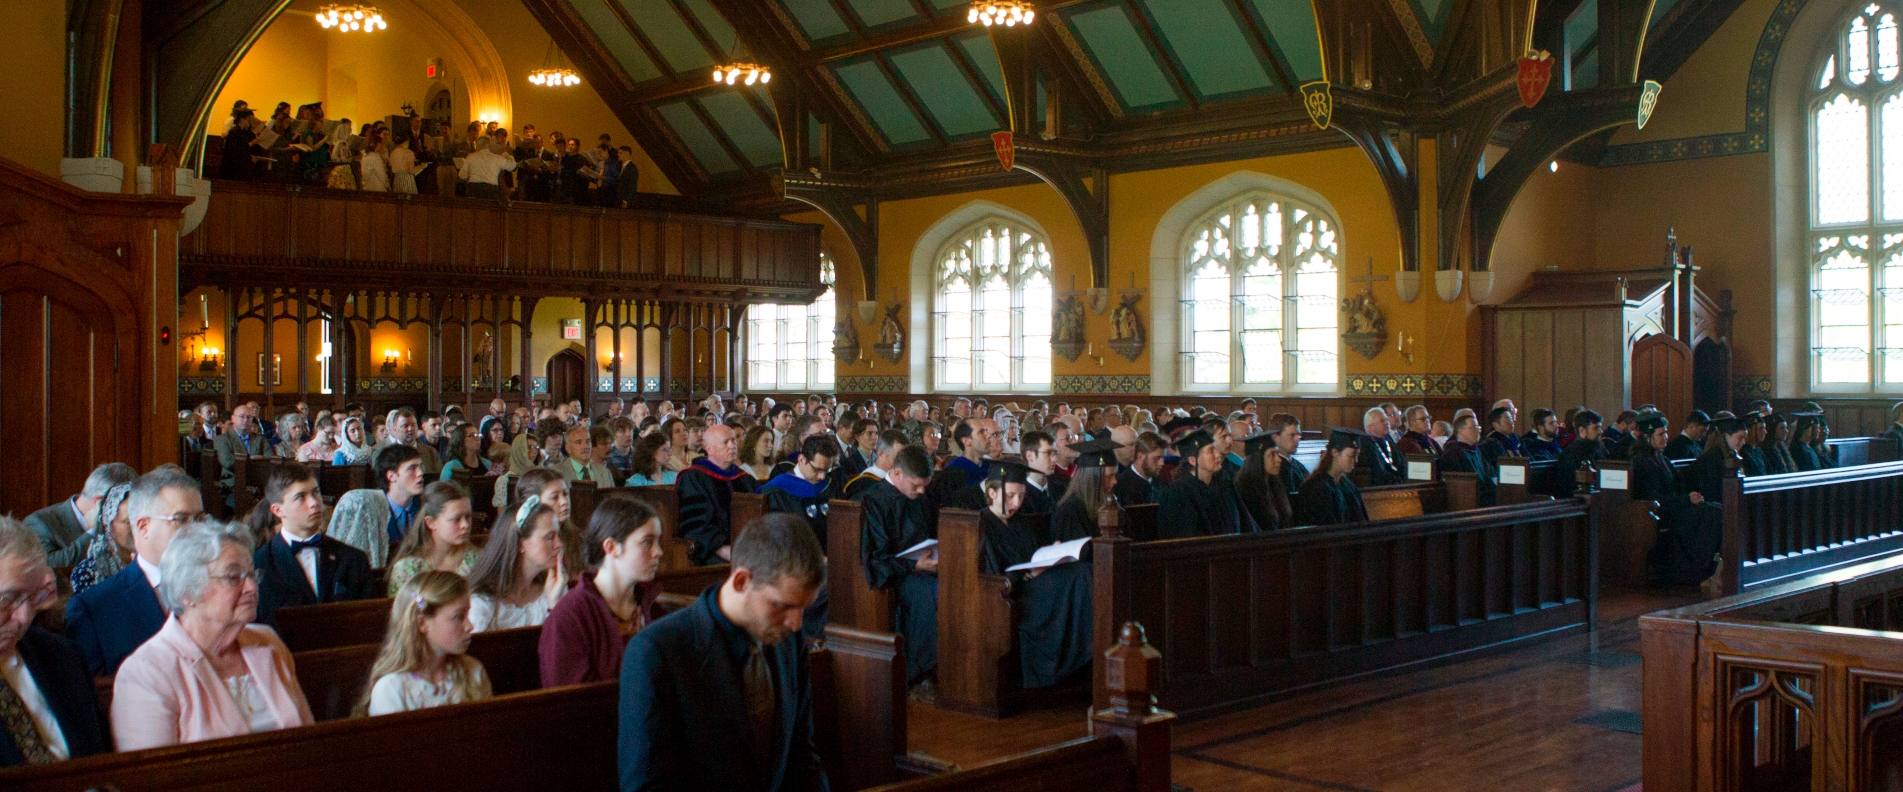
1110,590
1733,545
1130,674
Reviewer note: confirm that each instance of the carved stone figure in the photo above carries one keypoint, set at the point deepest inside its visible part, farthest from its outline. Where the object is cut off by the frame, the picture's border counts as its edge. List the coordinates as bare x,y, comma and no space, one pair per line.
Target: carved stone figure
1127,336
1367,330
891,344
845,341
1067,326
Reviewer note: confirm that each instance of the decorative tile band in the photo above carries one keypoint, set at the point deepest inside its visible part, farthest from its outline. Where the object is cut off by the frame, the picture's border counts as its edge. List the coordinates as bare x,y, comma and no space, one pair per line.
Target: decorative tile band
1468,385
874,384
1677,149
1751,388
538,385
201,385
651,385
605,385
1094,384
394,385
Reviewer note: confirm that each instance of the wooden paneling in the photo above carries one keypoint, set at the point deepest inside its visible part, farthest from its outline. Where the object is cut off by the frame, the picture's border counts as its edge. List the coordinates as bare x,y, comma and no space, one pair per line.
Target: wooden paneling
1662,375
1558,358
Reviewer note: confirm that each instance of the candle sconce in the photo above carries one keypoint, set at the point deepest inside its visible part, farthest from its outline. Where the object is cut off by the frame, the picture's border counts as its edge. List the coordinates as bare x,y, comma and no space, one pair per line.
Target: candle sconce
1404,346
208,359
389,361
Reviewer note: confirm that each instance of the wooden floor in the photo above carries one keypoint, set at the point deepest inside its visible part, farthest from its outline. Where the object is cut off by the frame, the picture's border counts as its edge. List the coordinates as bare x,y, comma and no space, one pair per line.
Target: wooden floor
1560,716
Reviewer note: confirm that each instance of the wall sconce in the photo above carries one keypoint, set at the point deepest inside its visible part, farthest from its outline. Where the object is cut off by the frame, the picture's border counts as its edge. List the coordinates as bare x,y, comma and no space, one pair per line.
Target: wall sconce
1090,351
208,359
1405,347
389,361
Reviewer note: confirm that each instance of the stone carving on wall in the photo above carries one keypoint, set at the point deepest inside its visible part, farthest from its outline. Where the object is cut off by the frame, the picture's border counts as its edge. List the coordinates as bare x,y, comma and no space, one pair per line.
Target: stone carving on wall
845,341
1067,326
1127,335
891,345
1367,330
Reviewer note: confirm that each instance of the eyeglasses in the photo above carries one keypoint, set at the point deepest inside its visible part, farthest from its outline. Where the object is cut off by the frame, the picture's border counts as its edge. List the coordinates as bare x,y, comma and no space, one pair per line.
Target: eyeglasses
236,579
182,518
32,599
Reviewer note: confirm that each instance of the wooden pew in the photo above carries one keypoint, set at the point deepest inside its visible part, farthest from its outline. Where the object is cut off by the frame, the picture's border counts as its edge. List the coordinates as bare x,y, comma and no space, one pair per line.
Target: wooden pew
1790,525
1139,522
210,490
1412,499
335,480
746,507
1627,527
333,679
977,623
308,627
1765,690
562,738
850,601
1330,602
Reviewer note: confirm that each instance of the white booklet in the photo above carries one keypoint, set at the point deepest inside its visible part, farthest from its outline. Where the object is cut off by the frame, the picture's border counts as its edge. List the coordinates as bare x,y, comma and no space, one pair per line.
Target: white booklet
920,550
1052,555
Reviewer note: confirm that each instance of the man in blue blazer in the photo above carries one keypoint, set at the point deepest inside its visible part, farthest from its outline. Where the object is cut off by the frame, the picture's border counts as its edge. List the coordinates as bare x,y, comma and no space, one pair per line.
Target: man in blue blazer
111,619
299,565
716,695
42,675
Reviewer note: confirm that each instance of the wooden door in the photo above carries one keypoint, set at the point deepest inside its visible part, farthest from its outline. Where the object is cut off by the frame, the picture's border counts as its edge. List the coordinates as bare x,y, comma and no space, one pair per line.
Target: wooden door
1662,375
567,377
65,388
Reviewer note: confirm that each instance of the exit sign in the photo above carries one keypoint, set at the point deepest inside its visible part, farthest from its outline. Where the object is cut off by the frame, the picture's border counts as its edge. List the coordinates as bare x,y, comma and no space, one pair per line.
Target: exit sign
433,68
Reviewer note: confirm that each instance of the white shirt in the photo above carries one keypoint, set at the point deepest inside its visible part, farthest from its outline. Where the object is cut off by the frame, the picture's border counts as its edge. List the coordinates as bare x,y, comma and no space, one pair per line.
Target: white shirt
151,571
306,558
486,167
81,516
488,614
878,472
20,678
403,692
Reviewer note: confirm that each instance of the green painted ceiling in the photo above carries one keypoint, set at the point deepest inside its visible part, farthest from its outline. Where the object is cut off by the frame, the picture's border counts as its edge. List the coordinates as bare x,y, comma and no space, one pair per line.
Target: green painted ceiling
614,37
694,135
1119,52
954,102
1208,44
881,100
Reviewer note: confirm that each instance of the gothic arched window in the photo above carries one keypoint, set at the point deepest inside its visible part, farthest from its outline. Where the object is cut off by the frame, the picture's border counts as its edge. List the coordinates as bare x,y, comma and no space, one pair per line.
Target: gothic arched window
790,347
991,312
1260,284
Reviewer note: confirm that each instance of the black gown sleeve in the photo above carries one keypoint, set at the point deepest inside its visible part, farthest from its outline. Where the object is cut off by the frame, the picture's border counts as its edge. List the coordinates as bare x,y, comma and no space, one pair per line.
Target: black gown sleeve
703,518
882,538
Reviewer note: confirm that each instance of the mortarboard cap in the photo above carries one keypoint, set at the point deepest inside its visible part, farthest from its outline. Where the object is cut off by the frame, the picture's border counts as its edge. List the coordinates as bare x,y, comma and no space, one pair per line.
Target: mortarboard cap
1010,470
1258,443
1725,426
1650,422
1190,444
1343,437
1697,417
1179,425
1097,453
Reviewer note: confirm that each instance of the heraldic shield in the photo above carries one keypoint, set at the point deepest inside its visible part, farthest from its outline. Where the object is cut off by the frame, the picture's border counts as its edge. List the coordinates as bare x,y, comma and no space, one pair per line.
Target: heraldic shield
1319,102
1536,72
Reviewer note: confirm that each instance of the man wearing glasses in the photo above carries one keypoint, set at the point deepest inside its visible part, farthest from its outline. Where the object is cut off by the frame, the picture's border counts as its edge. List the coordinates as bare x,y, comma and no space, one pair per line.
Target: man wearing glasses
111,619
48,711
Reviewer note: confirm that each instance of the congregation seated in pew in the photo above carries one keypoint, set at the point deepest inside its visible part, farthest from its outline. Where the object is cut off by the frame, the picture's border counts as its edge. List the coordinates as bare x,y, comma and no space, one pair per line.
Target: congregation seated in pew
894,521
110,620
297,563
67,529
520,574
442,540
424,661
1329,495
111,550
1463,455
1261,491
706,490
1053,601
1091,486
587,631
43,677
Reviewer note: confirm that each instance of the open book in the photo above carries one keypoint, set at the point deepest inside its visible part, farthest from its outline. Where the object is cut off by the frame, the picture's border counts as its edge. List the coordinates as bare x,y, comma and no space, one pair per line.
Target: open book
1052,555
920,550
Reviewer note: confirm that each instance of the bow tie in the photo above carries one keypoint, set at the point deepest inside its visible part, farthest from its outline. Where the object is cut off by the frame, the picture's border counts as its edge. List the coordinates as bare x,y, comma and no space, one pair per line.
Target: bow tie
308,544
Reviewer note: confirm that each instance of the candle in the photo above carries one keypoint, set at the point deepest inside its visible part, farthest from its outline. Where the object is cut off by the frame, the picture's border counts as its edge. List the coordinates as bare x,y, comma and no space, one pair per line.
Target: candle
204,312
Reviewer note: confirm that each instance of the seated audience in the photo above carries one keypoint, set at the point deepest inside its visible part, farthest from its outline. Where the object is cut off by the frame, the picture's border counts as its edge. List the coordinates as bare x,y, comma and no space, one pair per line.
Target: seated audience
1419,438
706,494
1776,451
518,577
552,489
112,550
1260,489
1091,485
1804,445
353,445
1585,450
1751,454
209,672
111,619
1542,440
1329,496
244,438
322,446
1288,439
443,543
400,472
649,464
48,709
424,661
1380,456
1040,461
1724,445
716,695
1463,455
1053,603
1689,529
885,457
361,519
1200,502
893,520
66,529
1690,441
298,564
467,448
588,630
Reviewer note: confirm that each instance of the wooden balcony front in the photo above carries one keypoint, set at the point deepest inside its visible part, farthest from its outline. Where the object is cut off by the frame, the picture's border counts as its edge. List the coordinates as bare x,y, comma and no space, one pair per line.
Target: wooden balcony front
283,235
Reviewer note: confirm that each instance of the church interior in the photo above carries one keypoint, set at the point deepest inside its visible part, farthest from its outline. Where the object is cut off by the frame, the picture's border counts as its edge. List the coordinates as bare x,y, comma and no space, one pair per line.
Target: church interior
906,224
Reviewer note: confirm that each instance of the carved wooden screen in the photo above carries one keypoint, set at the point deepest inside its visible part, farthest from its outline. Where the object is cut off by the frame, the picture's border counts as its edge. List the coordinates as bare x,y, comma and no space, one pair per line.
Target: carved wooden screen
1662,375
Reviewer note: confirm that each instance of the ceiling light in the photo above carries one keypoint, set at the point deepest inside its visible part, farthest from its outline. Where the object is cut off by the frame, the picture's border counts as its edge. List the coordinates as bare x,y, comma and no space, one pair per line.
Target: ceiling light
555,78
1008,13
350,17
742,73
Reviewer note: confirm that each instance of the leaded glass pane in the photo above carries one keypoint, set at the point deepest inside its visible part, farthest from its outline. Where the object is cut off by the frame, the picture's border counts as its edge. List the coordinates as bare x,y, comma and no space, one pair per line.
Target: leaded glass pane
1842,154
1830,72
1857,51
1886,48
1209,312
1843,318
1262,323
984,336
1037,328
1317,318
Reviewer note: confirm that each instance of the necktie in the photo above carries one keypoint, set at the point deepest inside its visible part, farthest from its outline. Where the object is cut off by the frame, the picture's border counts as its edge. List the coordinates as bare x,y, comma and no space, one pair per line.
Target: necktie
19,724
584,471
759,682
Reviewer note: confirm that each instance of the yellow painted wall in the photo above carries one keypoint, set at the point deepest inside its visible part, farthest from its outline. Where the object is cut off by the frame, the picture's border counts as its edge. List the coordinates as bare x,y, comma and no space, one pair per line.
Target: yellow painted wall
33,57
1706,95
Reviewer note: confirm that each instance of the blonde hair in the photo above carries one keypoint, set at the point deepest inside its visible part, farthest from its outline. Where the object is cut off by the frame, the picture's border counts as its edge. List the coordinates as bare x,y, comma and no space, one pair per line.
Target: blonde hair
405,650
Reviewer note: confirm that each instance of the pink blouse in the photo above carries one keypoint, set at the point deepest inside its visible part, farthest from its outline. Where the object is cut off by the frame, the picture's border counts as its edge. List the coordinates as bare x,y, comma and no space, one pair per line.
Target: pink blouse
168,693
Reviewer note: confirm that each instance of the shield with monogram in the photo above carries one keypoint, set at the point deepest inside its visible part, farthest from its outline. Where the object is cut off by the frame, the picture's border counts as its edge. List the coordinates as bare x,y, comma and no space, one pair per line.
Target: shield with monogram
1648,100
1007,151
1536,71
1319,102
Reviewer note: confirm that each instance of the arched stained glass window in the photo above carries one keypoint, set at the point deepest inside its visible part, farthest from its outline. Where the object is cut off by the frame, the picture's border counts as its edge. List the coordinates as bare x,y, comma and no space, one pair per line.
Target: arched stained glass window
790,347
991,315
1260,283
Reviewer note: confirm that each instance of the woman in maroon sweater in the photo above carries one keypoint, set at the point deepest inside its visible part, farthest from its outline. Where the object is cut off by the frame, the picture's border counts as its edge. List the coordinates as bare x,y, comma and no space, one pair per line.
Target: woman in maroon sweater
589,628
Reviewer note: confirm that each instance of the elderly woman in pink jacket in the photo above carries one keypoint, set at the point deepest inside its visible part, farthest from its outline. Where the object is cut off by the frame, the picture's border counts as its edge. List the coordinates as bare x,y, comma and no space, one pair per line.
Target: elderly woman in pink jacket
209,672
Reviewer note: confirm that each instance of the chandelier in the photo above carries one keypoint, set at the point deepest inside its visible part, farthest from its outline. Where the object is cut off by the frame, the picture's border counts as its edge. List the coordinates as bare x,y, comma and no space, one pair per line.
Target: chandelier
1001,12
748,73
555,78
347,17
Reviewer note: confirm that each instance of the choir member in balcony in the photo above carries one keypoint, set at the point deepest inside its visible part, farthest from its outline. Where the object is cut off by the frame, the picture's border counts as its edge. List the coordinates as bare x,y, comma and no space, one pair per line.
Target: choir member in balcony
1419,438
1260,489
1054,629
1542,440
1462,455
1329,496
1584,451
893,521
1724,443
1136,481
1690,441
1288,438
1076,513
1199,502
1751,455
706,493
1379,454
1689,528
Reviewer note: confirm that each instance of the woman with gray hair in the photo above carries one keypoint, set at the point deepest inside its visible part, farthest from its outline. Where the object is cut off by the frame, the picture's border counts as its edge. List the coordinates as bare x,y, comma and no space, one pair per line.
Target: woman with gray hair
209,672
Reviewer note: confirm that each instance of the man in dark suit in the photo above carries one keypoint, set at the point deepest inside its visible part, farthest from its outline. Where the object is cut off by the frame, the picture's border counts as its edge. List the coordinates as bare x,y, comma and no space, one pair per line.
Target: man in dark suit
244,438
716,695
42,676
299,565
1379,454
1690,441
1136,482
111,619
65,528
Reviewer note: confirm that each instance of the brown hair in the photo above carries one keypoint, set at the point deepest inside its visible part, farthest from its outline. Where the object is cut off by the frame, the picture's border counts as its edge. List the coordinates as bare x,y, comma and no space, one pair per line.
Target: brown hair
405,649
436,497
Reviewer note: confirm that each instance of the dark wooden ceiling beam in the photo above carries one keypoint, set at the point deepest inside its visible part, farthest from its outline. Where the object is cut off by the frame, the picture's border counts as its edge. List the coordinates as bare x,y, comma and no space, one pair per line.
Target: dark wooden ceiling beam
911,99
1557,123
1683,30
646,44
1259,42
1155,40
840,205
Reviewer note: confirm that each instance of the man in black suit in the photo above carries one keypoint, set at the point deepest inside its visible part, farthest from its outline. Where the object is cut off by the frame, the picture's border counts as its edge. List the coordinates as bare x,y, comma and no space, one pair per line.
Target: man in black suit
1136,481
716,695
113,618
48,711
1379,454
65,528
298,564
1690,441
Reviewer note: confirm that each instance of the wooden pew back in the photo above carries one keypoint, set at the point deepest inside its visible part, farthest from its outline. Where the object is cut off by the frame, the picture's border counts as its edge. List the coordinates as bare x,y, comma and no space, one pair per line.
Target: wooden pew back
976,626
334,679
335,480
1790,525
209,489
1412,499
746,507
850,601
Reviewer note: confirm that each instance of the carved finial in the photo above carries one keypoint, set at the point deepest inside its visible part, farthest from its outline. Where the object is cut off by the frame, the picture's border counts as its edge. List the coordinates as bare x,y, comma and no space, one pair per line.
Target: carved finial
1132,670
1109,517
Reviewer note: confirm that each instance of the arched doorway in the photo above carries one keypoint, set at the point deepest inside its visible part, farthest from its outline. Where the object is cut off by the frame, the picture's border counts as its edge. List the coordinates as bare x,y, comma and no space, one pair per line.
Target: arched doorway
567,377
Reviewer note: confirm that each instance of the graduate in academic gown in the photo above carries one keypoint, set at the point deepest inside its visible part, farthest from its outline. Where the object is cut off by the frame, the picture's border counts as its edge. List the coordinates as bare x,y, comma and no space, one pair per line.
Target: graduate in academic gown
706,491
1053,603
1706,475
1501,441
1802,445
1329,496
1288,438
1462,456
1773,446
1584,450
1040,460
1691,441
893,520
1750,454
1380,456
1090,486
1690,529
805,492
1260,490
1200,501
956,485
1542,441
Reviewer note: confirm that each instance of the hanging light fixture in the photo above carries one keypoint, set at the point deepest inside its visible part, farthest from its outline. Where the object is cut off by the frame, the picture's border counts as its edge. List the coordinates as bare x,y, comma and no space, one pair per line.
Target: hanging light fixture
1008,13
551,75
742,73
351,17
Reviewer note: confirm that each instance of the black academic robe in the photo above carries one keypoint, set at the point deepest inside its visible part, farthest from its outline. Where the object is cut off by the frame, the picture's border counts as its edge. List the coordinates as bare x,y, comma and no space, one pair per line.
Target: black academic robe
1189,507
706,495
1325,500
955,486
1777,459
1059,482
858,484
1293,474
1462,458
1894,437
1054,610
1538,448
343,573
1382,459
1070,521
1689,533
1264,503
1132,489
854,461
1752,460
1497,444
1038,500
1578,453
1805,457
1682,447
891,524
1706,476
791,494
